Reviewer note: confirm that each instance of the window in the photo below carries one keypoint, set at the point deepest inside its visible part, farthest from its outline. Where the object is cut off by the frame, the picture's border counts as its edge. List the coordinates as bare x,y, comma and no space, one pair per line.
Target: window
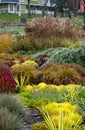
17,8
11,7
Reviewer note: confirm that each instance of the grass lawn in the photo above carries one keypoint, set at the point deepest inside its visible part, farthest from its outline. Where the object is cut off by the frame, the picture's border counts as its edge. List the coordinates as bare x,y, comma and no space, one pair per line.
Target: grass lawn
14,19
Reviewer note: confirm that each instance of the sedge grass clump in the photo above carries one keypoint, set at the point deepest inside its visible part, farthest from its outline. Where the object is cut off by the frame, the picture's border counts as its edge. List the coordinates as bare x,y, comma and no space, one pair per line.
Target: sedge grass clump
21,44
59,74
13,104
5,42
66,75
23,75
10,59
10,121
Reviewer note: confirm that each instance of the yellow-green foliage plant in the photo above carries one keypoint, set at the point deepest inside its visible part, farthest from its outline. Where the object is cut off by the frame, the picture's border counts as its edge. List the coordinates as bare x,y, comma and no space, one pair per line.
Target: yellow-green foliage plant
5,42
61,116
6,57
28,63
67,42
23,75
44,93
39,126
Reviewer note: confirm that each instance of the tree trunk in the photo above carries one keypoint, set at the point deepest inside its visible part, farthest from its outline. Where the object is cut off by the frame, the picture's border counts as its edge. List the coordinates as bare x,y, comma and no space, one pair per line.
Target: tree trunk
29,8
44,8
84,14
55,10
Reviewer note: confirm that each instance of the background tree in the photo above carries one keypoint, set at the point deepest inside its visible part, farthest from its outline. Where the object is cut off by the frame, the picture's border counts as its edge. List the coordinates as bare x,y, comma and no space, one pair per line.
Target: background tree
44,7
29,8
60,5
83,2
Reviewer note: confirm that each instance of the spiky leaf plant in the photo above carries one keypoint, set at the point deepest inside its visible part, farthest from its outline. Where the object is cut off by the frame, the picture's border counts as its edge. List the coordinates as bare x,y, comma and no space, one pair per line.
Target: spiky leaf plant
13,104
10,121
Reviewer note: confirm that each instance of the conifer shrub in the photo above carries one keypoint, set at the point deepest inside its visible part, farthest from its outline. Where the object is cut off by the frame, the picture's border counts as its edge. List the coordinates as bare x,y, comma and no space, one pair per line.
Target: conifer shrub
7,83
68,55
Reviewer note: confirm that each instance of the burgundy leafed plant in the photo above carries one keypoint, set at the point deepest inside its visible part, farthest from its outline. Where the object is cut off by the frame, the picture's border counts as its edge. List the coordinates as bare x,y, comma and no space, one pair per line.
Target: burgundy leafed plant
7,83
43,59
10,63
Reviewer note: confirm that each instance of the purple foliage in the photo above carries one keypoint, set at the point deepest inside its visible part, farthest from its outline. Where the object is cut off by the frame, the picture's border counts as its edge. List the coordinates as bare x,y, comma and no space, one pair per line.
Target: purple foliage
43,59
21,61
9,64
7,83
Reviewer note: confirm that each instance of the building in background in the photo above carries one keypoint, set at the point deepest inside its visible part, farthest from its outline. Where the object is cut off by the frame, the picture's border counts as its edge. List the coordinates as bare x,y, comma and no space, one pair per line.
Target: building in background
81,6
20,6
13,6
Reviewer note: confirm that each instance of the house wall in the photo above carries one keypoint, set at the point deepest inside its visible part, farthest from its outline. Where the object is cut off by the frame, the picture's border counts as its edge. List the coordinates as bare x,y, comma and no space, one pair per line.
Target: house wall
3,8
14,7
82,6
23,8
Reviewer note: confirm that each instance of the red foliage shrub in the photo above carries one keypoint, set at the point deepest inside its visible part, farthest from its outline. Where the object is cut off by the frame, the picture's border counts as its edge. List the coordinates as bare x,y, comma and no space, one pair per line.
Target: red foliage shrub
7,83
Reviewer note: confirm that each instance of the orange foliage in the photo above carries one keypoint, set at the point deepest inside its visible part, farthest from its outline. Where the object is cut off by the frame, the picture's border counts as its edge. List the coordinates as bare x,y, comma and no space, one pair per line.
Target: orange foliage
5,42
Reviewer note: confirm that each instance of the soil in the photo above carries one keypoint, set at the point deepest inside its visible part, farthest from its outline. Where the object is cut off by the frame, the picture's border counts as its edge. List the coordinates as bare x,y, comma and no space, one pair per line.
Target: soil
32,116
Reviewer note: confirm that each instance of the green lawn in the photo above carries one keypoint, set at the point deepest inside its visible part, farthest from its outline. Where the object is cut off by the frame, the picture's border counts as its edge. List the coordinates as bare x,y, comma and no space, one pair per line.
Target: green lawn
14,19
